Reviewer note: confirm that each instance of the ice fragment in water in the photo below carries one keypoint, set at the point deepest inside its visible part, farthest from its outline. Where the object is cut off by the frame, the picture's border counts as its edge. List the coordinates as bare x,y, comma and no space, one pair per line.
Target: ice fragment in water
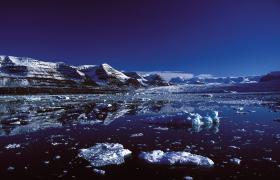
207,120
161,128
137,135
196,119
235,161
175,158
99,171
103,154
215,116
12,146
11,168
188,178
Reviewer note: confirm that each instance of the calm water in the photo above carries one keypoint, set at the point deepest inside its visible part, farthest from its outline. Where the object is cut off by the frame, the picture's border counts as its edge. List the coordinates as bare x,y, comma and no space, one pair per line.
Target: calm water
51,129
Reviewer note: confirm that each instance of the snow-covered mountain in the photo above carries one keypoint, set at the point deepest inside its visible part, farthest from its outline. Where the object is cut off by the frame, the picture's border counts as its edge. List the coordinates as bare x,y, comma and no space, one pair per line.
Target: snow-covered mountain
176,78
28,72
18,71
168,75
209,79
107,75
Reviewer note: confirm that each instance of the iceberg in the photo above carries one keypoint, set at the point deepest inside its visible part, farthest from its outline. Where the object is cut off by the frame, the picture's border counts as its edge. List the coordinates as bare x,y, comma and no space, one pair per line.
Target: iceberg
215,116
196,119
210,118
103,154
175,158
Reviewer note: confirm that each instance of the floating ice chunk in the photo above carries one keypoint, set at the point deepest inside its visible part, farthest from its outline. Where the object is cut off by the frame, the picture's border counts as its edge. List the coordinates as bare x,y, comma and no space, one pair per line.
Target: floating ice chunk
267,158
103,154
188,178
212,117
46,162
175,158
215,116
99,171
259,131
137,135
234,147
196,119
12,146
161,128
241,130
57,157
207,120
235,161
11,168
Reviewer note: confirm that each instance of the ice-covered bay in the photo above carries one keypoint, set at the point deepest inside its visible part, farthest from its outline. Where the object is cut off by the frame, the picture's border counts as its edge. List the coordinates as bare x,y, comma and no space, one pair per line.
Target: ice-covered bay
187,128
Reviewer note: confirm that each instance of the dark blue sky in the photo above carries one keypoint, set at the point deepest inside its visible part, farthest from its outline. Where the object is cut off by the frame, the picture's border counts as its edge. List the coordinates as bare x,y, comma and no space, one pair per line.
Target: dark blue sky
225,37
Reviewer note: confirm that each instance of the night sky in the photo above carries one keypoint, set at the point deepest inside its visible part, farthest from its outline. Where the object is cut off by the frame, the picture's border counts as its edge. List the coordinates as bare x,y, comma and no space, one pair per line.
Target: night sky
225,37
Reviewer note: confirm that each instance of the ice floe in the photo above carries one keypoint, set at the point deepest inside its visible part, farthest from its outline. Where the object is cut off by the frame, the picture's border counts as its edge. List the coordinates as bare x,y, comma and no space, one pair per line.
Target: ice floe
13,146
137,135
175,158
235,161
161,128
11,168
103,154
188,178
99,171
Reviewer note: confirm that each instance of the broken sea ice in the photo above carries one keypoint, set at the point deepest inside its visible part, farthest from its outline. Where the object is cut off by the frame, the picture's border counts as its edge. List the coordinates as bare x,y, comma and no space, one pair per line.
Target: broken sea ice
103,154
175,158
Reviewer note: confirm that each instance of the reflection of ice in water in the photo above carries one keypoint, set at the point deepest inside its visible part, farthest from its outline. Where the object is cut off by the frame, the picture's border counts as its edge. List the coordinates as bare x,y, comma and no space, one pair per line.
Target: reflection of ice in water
23,114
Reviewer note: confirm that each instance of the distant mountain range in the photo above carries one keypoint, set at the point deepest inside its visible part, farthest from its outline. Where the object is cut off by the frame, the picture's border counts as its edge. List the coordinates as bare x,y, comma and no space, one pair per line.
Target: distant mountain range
21,72
28,72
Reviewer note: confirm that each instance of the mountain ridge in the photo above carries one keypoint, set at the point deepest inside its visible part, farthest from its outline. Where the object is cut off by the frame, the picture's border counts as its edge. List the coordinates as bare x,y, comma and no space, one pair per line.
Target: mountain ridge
24,72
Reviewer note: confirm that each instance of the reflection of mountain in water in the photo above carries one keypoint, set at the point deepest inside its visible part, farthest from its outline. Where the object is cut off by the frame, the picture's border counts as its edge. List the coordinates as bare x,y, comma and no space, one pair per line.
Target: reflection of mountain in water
25,114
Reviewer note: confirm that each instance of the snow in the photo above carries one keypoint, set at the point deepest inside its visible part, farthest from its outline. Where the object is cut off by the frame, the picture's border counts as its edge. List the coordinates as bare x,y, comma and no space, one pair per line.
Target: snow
168,75
103,154
113,72
100,73
32,68
175,158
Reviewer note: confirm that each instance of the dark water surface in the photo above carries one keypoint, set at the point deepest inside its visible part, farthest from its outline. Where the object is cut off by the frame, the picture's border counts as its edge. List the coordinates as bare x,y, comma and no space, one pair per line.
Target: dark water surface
52,129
